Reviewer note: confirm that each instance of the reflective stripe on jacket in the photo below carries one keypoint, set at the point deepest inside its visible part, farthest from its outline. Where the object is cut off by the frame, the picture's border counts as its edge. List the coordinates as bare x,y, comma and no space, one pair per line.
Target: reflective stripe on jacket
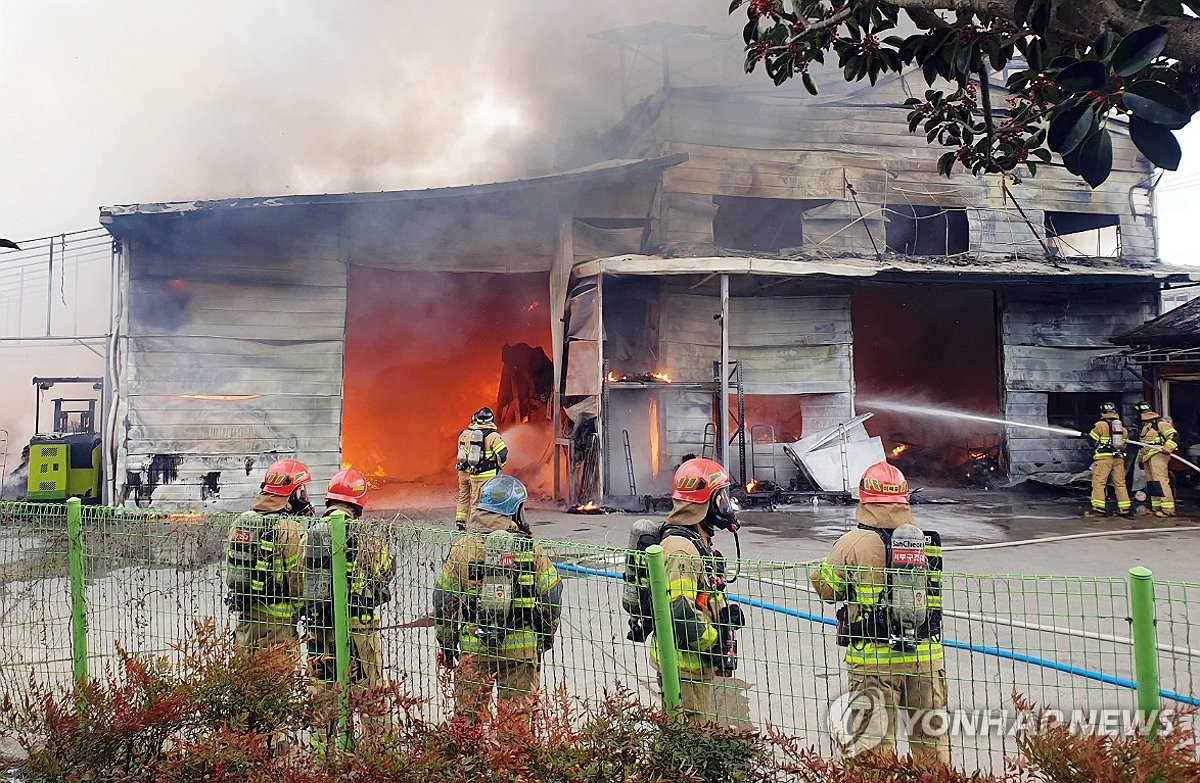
455,591
1159,436
694,608
857,565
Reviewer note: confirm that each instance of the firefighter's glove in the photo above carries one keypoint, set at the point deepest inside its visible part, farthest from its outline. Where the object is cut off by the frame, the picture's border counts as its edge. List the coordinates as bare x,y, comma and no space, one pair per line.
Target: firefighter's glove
731,615
447,656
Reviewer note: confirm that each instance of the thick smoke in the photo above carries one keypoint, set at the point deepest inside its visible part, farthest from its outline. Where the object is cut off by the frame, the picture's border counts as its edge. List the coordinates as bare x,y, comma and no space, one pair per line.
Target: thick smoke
138,100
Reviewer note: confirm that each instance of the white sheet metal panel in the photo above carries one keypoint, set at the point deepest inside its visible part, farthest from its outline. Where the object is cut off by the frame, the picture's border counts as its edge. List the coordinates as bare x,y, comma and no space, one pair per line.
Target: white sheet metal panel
690,338
221,377
792,345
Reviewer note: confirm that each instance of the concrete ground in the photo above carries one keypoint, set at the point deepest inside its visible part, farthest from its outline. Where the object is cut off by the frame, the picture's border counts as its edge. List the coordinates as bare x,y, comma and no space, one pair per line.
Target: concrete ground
1028,611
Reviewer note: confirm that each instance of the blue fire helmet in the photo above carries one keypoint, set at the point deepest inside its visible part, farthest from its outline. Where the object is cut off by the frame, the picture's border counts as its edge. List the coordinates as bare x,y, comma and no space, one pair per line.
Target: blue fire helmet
502,495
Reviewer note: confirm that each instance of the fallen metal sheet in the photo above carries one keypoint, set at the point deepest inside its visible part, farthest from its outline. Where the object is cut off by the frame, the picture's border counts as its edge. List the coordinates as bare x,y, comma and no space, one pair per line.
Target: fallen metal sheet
835,459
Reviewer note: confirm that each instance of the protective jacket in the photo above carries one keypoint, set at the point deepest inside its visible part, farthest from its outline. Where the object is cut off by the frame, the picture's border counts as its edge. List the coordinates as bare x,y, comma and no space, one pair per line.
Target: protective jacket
855,571
282,557
370,569
536,601
1102,438
694,590
494,452
1159,435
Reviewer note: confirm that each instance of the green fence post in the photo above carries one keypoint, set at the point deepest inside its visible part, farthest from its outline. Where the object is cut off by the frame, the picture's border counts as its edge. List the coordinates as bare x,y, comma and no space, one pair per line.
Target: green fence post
79,645
664,631
1145,643
341,623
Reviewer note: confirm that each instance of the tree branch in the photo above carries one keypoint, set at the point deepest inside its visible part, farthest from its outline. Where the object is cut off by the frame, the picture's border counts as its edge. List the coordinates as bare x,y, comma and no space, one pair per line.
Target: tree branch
1082,19
832,21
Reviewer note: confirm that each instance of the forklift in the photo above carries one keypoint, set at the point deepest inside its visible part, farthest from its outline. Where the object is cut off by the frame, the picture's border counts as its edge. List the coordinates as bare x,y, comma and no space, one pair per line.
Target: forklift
67,462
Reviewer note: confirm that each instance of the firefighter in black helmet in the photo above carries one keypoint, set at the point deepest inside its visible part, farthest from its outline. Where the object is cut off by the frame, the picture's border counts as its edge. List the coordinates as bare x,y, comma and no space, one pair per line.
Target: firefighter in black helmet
481,456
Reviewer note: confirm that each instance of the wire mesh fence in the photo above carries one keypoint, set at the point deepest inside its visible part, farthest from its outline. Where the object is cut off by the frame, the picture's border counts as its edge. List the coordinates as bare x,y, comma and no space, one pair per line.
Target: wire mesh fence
1065,643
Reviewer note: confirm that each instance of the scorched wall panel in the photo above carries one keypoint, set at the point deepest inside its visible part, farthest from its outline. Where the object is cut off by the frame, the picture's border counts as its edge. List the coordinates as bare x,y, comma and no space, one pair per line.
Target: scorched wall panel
222,374
1058,343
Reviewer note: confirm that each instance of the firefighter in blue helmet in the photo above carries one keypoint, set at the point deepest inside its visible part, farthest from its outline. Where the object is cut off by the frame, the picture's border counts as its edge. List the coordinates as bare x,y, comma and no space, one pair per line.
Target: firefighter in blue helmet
497,602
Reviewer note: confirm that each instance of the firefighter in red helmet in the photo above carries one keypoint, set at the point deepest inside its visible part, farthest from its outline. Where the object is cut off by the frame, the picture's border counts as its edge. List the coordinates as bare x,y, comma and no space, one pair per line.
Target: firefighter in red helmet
263,559
704,622
370,568
887,575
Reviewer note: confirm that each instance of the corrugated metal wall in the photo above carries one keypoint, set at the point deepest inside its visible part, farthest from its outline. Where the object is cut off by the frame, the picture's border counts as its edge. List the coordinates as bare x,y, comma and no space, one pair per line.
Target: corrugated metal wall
266,333
1057,343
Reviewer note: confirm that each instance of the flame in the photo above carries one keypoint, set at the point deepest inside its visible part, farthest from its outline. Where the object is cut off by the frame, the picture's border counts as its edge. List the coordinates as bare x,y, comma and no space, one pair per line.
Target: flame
591,505
187,516
345,466
532,307
900,449
662,376
612,377
654,452
217,397
751,484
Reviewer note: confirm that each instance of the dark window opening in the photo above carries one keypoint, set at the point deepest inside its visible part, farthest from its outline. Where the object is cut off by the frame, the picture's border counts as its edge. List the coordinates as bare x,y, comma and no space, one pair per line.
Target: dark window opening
767,225
1076,410
927,231
1084,234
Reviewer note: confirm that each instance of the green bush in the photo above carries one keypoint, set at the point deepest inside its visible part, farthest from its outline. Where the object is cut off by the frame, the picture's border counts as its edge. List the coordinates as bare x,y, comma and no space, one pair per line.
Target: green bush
215,713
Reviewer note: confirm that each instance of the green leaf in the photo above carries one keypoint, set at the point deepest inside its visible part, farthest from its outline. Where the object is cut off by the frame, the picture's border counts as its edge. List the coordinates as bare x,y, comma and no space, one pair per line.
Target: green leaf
945,163
1040,21
735,5
808,83
929,70
1156,143
750,32
1070,127
1021,10
1042,154
1103,43
1095,158
1138,49
1157,103
1083,76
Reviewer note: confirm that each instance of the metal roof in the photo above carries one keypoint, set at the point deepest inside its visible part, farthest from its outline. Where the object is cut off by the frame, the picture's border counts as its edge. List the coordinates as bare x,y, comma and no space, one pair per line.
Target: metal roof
859,267
111,217
1181,325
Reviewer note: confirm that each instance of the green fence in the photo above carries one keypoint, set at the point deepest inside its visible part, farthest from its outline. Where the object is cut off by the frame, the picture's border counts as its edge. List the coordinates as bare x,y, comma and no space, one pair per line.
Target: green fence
1067,643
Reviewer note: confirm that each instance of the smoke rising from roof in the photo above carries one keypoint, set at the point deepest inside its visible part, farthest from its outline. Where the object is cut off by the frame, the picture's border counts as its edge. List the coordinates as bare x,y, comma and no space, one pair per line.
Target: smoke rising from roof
137,100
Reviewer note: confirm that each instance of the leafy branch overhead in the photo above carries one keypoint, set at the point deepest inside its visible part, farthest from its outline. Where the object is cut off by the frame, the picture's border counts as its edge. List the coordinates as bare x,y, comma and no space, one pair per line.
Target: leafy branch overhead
1074,66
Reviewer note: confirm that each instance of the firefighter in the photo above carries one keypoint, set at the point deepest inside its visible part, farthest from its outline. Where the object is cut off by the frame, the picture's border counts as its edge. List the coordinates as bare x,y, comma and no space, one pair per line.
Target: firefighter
497,602
704,622
1155,458
887,672
369,571
481,456
1108,463
263,559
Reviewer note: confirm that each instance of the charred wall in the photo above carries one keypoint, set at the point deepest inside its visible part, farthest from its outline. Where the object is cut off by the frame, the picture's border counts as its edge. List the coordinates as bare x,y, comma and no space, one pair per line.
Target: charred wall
231,358
1057,343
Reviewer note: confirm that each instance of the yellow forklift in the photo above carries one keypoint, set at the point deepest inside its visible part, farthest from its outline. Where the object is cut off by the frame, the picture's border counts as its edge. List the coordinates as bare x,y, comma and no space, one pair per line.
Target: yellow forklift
67,462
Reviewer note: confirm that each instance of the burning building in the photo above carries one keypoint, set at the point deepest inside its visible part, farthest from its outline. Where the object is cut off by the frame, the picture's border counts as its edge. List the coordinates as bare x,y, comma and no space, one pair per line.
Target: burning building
724,272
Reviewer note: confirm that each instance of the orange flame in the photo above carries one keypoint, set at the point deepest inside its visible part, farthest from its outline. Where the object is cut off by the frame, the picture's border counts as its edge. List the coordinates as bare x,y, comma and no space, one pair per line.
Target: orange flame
751,484
900,449
662,376
654,453
532,307
217,397
591,505
612,377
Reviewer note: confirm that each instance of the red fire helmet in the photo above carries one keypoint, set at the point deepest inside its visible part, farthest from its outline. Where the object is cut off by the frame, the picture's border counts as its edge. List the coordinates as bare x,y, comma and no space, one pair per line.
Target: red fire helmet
883,483
697,480
285,476
348,486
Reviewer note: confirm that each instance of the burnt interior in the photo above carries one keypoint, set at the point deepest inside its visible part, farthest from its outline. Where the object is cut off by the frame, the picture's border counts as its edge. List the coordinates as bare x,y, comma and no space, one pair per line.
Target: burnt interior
935,346
424,351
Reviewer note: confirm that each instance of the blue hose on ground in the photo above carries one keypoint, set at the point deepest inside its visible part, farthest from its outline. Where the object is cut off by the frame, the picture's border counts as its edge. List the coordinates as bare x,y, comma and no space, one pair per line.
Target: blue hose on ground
997,652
